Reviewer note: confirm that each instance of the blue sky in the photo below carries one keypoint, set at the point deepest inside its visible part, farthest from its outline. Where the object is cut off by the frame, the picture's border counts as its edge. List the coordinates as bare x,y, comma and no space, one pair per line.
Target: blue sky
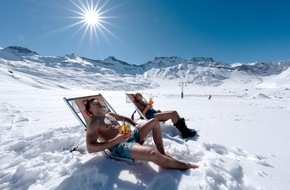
136,31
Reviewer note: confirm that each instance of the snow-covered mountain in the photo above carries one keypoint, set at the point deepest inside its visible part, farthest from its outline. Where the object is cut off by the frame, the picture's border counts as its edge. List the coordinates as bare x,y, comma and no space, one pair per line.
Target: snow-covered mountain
81,71
263,68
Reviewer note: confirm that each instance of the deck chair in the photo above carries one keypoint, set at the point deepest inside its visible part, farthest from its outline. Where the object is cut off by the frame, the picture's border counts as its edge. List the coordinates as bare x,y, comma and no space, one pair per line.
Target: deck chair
77,106
130,97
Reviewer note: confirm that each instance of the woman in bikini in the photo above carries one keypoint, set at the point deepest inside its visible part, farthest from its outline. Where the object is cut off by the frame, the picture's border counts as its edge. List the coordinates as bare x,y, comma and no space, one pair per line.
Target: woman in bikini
149,112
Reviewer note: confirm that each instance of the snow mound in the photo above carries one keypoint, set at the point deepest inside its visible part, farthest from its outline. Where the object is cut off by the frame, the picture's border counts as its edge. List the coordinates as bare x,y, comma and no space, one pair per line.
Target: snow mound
260,96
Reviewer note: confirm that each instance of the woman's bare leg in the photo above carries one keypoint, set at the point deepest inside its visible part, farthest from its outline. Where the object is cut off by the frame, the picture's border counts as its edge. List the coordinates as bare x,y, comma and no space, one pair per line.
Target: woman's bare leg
165,115
140,152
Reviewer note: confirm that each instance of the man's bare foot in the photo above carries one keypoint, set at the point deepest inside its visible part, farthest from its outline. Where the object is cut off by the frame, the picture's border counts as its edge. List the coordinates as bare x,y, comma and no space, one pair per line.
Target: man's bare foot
193,166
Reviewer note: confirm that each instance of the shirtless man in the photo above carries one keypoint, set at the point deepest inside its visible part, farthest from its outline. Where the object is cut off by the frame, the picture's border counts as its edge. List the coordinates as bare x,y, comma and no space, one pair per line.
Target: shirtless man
103,133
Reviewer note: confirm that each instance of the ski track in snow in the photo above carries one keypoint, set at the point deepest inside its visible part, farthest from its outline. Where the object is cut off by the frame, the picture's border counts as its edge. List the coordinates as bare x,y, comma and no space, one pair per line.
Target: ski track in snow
13,120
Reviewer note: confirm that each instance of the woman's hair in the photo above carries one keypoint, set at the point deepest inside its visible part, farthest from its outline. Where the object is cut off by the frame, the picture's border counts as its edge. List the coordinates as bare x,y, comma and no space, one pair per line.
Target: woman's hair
135,96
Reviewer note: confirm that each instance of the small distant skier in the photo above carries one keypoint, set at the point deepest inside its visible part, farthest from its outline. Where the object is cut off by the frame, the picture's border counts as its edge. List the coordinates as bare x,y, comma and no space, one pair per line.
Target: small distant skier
209,97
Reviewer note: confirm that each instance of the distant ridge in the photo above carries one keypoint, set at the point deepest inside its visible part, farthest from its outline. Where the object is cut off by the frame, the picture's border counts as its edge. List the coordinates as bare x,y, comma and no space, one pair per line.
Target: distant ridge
204,71
20,50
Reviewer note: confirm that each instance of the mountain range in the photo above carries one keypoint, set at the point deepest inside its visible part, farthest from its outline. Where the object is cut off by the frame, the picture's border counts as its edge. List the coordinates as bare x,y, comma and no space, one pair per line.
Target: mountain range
112,74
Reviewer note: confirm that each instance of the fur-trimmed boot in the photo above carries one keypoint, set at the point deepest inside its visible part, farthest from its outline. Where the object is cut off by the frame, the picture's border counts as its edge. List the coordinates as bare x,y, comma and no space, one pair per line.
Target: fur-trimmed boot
185,132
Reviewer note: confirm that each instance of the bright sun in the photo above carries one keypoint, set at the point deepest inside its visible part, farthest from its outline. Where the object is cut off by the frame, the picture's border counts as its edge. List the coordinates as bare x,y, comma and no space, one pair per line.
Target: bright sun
91,17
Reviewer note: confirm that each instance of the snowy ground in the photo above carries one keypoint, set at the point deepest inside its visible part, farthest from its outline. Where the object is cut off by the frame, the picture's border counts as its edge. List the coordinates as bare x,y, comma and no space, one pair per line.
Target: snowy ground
242,144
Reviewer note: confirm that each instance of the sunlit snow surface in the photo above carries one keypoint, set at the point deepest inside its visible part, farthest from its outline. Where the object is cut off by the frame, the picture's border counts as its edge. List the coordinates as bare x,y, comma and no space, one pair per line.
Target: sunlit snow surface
242,141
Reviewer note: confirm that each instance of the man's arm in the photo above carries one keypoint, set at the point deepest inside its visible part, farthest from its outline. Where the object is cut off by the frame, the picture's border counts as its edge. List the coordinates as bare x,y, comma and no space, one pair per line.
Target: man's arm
92,140
123,118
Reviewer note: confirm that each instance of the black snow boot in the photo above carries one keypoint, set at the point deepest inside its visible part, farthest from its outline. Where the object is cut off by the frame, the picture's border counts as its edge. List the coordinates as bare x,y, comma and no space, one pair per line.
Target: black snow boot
185,132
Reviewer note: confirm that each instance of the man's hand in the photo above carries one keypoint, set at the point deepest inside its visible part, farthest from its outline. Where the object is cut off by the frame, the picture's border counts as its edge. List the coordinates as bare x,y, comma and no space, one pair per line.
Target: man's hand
121,138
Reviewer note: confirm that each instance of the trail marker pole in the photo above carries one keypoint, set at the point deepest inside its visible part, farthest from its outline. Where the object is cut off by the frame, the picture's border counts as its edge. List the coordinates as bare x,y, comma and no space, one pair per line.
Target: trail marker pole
182,84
